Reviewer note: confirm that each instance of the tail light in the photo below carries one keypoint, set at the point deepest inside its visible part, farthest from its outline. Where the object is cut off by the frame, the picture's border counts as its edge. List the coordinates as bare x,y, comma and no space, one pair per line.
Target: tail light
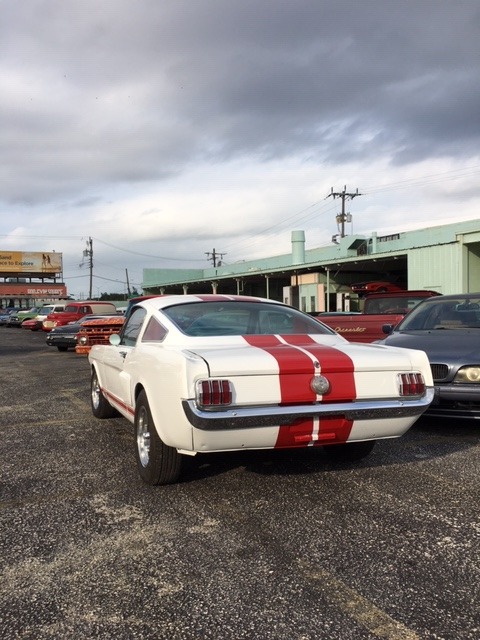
411,384
214,393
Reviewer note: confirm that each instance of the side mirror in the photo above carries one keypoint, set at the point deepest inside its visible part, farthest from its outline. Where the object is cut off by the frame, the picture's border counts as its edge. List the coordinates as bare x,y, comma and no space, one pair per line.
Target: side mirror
114,339
387,329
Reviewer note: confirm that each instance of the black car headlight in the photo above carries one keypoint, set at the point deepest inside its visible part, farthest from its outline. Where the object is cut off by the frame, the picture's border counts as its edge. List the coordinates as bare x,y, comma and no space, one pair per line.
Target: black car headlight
468,375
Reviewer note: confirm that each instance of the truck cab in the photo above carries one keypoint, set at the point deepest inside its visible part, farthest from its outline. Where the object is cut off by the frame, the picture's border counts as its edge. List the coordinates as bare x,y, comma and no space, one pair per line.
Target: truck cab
74,311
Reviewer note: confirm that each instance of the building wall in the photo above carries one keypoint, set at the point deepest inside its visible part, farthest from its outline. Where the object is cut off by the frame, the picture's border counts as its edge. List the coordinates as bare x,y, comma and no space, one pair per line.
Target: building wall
437,267
447,268
473,271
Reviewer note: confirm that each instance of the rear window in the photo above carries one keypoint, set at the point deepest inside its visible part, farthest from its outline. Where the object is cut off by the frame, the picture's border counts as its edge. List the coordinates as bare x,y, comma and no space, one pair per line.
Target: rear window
242,318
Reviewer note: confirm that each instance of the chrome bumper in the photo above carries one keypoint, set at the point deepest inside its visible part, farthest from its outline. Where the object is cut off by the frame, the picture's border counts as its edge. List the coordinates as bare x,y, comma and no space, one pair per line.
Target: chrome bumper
271,416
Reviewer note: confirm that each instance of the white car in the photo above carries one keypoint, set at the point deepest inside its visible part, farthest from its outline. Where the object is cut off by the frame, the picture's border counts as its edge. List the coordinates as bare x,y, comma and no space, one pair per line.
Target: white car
203,373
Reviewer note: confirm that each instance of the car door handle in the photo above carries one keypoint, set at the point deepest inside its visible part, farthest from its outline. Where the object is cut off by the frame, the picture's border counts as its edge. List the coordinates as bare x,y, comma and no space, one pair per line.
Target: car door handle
123,353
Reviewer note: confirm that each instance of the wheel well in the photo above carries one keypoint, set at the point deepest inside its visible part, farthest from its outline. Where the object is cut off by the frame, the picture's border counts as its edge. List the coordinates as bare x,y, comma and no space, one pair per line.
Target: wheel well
138,389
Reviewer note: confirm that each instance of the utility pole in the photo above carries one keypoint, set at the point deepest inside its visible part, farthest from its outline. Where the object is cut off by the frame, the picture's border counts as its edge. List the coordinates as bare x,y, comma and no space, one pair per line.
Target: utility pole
128,284
213,257
343,217
88,253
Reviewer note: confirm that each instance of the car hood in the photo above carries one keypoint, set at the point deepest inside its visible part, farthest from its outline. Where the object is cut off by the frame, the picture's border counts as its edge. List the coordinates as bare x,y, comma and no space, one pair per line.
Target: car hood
440,345
66,329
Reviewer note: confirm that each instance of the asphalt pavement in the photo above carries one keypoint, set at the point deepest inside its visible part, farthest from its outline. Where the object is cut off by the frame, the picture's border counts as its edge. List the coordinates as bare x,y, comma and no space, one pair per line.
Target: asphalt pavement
255,545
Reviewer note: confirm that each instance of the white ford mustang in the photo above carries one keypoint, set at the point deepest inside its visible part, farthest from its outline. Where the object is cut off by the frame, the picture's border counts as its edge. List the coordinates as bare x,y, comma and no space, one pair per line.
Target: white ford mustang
203,373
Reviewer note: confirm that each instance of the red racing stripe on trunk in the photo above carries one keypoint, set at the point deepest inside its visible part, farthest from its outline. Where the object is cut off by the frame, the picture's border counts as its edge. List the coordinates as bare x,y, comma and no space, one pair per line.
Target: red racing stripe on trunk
334,364
296,366
291,362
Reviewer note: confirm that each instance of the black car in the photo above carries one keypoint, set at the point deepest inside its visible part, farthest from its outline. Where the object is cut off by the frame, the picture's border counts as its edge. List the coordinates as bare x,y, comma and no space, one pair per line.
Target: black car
65,337
447,328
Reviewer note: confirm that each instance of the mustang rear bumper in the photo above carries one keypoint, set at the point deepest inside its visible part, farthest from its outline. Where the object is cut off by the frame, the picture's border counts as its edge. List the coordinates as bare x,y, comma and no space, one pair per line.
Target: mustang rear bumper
269,416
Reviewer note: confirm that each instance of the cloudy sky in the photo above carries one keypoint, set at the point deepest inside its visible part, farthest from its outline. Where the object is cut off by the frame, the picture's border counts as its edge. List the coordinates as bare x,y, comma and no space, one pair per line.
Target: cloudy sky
164,129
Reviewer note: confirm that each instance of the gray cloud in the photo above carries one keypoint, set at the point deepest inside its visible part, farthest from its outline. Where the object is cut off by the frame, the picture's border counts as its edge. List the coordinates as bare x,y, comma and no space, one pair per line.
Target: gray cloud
102,98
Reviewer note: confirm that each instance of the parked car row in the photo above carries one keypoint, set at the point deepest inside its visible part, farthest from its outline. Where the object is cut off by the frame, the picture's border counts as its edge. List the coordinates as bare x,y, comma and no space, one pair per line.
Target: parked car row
64,337
206,373
61,321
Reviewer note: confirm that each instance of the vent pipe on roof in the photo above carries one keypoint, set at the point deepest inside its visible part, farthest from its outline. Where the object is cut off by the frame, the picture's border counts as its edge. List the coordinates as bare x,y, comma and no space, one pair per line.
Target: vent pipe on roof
298,247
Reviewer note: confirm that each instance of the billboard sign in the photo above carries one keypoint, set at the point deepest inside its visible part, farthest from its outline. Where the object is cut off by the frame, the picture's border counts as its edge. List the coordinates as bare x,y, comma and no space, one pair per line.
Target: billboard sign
33,290
36,262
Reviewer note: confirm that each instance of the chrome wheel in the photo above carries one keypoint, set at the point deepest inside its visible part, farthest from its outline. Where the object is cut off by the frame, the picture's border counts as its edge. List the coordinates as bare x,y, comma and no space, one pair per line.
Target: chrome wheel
157,463
95,392
101,408
143,437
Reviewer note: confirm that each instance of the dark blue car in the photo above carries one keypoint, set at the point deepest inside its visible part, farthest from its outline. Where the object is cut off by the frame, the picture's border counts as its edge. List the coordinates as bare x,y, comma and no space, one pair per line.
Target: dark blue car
447,328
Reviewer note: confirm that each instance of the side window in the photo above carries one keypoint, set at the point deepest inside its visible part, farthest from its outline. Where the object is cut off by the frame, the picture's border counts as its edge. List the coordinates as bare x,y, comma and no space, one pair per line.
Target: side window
132,327
154,332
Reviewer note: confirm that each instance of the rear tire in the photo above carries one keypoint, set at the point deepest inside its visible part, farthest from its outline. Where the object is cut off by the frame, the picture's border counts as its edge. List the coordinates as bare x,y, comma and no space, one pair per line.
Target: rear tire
349,451
101,408
157,462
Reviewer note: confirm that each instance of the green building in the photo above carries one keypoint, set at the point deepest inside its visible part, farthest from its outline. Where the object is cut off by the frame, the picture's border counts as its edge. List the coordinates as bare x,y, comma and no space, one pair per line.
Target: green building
444,258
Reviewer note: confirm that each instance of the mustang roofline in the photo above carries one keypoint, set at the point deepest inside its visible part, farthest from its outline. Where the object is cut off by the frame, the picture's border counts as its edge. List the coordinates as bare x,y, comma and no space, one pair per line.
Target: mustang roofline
174,299
242,418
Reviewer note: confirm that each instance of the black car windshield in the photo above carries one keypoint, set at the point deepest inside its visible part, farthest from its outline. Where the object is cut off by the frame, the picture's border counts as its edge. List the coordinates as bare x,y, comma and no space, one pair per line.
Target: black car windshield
444,312
241,318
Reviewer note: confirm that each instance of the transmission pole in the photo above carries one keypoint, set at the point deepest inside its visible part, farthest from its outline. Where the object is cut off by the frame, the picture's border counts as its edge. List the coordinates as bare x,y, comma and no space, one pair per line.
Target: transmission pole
213,257
342,217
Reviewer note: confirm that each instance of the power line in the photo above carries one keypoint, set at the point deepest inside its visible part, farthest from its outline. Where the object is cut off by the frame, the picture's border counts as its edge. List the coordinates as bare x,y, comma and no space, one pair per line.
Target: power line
146,255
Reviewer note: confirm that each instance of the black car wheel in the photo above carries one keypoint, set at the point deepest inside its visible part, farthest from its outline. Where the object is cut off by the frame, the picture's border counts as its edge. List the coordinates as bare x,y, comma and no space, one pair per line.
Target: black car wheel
157,463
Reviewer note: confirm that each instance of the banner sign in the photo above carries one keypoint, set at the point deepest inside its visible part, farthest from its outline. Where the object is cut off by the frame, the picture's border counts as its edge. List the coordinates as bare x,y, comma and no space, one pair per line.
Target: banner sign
30,262
32,290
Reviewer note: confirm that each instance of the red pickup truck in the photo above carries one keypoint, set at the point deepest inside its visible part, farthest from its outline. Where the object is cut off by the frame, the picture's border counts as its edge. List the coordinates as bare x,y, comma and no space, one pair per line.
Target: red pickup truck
74,311
380,309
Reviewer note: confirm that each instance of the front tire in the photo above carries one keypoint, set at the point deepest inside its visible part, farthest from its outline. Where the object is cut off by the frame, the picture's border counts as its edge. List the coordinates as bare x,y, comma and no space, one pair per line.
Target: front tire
62,348
101,408
157,463
349,451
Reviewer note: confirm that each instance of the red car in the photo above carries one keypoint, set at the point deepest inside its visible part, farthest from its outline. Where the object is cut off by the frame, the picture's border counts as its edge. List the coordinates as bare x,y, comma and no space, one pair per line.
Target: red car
375,286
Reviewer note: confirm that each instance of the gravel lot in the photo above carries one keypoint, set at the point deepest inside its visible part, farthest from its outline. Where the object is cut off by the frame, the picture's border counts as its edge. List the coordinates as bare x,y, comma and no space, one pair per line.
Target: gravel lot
263,545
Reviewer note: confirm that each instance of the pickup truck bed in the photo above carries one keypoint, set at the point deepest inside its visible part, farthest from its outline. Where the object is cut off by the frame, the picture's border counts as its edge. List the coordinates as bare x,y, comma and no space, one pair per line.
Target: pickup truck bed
360,327
380,309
